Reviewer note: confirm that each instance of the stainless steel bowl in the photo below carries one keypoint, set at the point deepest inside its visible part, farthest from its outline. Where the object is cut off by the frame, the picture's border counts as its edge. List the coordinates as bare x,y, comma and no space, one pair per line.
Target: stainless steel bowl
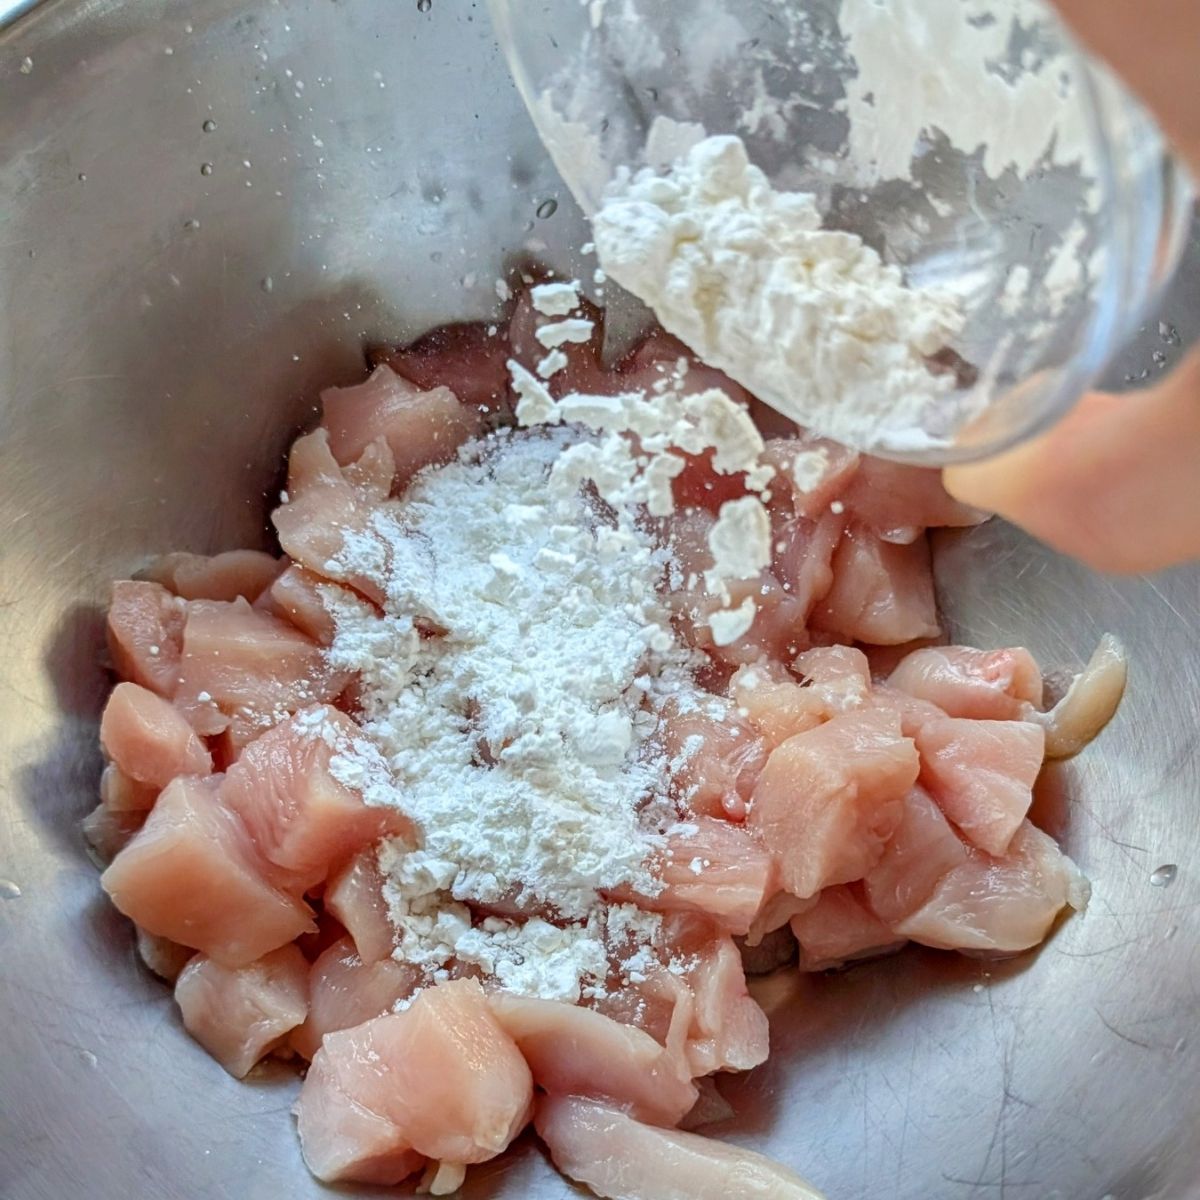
164,327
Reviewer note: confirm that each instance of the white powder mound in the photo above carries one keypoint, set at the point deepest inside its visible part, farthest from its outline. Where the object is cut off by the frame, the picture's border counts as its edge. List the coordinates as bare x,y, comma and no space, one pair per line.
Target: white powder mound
509,694
810,320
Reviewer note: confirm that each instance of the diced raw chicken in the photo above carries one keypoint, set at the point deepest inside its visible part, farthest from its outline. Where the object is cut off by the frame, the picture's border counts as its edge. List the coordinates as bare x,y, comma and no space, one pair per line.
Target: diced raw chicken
109,831
124,795
468,360
623,1159
344,991
715,868
715,758
422,428
882,593
991,685
923,849
981,773
354,894
838,676
191,874
296,596
148,739
802,557
302,819
1000,905
245,573
328,508
162,956
245,669
145,634
775,703
577,1051
728,1031
443,1072
898,503
1090,703
828,800
775,915
344,1141
811,473
240,1014
913,714
840,928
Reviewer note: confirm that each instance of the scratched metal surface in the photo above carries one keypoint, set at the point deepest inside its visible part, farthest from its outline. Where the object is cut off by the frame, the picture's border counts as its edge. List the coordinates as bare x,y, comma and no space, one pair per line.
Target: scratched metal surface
149,375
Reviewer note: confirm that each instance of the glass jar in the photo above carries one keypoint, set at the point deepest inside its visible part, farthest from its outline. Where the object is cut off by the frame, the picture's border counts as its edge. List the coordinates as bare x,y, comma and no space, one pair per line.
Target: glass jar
972,143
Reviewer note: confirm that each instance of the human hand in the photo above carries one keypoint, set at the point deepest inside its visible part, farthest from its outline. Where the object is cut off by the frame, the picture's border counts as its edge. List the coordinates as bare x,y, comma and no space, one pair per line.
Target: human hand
1117,483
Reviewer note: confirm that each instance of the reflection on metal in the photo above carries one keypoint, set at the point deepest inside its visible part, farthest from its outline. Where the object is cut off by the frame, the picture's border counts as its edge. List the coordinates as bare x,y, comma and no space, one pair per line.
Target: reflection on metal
148,385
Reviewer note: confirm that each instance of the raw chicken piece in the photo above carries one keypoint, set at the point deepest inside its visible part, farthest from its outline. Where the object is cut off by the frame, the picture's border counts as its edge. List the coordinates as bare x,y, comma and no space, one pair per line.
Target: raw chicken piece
898,503
778,628
301,818
838,676
802,556
162,956
990,685
147,738
828,800
191,875
145,635
1000,905
577,1051
422,428
775,915
718,869
1090,702
913,714
727,1029
923,849
840,928
622,1159
296,596
344,991
811,473
328,508
245,573
715,758
981,773
240,1014
342,1140
775,703
443,1072
109,831
124,795
244,669
881,593
354,894
468,360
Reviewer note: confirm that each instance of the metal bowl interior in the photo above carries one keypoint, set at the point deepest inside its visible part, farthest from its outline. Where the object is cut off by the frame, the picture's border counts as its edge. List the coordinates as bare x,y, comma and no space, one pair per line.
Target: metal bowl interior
164,326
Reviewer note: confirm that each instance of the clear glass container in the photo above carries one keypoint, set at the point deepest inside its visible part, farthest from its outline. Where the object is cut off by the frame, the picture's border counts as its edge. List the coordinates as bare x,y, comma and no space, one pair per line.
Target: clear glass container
970,142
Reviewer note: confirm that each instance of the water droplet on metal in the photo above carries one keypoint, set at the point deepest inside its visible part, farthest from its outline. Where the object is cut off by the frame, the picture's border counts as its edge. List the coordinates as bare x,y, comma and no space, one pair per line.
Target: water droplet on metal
89,1058
267,284
424,5
209,125
9,890
1160,358
1168,333
547,208
191,225
206,168
26,67
1164,876
82,177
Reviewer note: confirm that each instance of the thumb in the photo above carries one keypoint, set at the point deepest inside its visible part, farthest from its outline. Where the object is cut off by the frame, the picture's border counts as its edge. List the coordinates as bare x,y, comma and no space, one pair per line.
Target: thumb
1116,483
